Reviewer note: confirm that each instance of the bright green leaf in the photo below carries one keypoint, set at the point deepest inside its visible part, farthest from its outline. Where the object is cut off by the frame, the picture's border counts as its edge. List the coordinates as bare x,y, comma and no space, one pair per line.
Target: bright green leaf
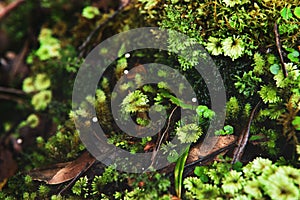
256,137
297,12
286,13
296,123
295,53
274,69
228,129
293,56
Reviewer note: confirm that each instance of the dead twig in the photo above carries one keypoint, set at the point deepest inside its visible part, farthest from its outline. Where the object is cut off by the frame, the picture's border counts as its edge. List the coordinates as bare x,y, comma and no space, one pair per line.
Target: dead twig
11,91
11,98
278,45
5,11
156,149
243,138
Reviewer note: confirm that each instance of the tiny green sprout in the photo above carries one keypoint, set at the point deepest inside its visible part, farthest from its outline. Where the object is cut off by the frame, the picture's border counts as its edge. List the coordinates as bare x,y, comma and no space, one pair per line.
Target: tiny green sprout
135,102
45,34
274,69
227,130
163,85
271,59
259,63
90,12
142,122
28,179
56,197
42,82
205,112
33,120
253,189
286,13
261,165
50,46
80,186
297,12
45,52
188,133
293,55
283,189
232,182
29,196
233,47
296,123
97,185
269,94
214,46
40,141
290,172
172,156
28,85
149,89
101,97
200,171
41,100
162,73
43,190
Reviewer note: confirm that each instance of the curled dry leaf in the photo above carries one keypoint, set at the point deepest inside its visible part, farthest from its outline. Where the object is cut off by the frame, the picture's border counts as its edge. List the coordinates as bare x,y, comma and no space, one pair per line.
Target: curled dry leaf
62,172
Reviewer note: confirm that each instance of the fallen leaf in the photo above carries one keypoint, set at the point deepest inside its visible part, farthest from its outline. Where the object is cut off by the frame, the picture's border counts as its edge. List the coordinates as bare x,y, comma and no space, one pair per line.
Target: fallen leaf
62,172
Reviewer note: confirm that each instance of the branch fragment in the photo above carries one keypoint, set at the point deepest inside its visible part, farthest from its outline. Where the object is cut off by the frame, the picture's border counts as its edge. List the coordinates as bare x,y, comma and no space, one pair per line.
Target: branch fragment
6,10
243,138
278,45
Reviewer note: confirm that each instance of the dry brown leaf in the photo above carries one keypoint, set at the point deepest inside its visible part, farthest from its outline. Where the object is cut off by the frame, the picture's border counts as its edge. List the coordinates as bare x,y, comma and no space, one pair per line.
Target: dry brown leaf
62,172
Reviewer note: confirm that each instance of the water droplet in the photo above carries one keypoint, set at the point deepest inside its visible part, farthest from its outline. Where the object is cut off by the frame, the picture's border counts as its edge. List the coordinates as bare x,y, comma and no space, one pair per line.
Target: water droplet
19,141
95,119
127,55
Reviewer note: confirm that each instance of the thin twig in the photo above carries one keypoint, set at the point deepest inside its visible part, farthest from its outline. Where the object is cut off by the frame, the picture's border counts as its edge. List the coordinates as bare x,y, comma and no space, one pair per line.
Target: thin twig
5,11
12,91
243,138
278,45
154,153
11,98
